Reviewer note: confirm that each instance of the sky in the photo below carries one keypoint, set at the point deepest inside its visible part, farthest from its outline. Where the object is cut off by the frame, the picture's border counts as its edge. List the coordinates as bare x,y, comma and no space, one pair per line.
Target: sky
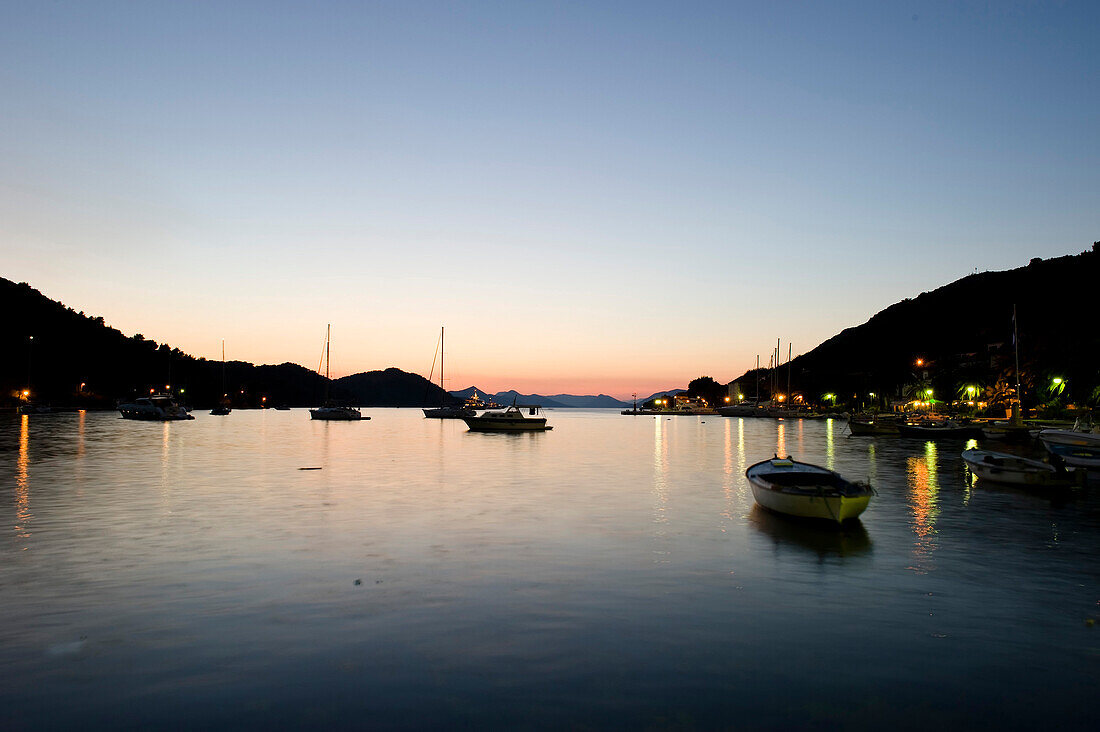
591,197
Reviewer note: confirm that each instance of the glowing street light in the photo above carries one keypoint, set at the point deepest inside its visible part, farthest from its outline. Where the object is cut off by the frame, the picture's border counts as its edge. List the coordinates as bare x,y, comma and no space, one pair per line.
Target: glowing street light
920,362
928,392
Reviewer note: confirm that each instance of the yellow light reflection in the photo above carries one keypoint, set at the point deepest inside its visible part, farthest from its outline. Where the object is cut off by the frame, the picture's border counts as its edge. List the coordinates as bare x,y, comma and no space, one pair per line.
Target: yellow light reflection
781,441
660,487
660,470
830,448
923,503
22,482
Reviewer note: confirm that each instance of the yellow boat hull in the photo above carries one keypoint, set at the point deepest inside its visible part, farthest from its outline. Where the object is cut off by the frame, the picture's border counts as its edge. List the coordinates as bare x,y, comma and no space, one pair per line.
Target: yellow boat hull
830,508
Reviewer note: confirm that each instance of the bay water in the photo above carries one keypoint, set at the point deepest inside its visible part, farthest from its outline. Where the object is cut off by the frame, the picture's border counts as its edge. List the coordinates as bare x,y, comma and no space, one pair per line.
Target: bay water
612,572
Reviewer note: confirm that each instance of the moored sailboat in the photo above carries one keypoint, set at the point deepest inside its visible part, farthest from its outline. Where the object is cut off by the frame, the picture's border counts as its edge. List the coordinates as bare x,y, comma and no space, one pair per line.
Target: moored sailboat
330,411
444,410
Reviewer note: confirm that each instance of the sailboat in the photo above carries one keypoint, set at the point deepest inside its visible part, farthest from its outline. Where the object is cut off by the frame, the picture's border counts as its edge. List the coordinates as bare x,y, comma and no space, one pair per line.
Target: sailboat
223,407
445,411
330,411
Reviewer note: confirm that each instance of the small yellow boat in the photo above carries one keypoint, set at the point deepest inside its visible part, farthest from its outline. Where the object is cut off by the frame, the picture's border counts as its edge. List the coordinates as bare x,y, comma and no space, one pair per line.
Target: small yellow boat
808,491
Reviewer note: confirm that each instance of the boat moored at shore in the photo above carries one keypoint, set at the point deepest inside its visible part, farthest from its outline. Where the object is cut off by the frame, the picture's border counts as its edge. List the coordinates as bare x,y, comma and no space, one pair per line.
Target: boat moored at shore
803,490
1001,467
154,408
511,419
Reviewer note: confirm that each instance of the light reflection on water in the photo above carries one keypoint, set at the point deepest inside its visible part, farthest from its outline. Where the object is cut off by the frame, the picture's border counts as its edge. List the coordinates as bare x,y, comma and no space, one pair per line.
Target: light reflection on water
611,572
923,492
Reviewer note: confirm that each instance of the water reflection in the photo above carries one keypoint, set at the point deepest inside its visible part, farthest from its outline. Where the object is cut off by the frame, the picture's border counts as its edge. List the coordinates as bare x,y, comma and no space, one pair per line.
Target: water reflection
830,448
872,463
741,467
781,440
22,483
821,539
660,470
80,417
924,505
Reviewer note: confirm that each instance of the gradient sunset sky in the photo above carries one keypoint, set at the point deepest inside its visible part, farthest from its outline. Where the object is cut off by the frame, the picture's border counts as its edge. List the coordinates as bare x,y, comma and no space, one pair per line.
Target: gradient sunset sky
592,197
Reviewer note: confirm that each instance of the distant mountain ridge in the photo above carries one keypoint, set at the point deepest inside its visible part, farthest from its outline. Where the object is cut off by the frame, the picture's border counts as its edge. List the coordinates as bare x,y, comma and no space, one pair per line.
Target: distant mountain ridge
553,401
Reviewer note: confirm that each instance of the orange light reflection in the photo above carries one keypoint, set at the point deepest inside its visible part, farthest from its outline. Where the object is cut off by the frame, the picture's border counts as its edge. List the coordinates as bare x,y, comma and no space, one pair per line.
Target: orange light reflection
22,482
923,503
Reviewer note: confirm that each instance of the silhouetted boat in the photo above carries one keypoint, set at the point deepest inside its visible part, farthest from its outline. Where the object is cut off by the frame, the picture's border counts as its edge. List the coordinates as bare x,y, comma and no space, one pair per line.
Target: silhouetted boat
224,406
1001,467
446,411
873,425
155,408
799,489
511,419
933,429
333,412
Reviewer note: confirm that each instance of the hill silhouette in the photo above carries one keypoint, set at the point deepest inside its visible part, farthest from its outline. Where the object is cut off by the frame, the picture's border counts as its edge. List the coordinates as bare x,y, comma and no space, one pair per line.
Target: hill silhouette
393,387
70,349
963,334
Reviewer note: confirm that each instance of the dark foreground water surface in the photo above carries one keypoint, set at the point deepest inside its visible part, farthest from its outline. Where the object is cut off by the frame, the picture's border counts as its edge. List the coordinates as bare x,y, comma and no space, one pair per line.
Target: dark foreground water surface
611,573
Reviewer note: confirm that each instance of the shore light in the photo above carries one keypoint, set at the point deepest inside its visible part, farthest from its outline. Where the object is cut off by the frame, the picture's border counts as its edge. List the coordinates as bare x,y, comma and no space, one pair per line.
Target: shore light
26,392
1057,381
727,400
920,362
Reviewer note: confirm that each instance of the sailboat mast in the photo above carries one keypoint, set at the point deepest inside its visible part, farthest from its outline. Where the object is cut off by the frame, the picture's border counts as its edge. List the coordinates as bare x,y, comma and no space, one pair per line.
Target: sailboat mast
443,396
758,378
1016,346
328,339
30,354
788,373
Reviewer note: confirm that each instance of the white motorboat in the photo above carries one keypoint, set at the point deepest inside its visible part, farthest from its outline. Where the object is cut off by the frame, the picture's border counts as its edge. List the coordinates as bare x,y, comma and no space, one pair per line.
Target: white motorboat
1001,467
156,408
799,489
511,419
1078,449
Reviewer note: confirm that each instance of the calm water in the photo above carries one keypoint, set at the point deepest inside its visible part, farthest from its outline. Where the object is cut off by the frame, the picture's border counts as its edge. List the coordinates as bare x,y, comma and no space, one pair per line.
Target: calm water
612,572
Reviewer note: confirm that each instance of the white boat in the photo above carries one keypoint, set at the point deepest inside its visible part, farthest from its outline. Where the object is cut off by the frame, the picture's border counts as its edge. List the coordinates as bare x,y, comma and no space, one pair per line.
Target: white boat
511,419
807,491
333,412
1001,467
155,408
1078,449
